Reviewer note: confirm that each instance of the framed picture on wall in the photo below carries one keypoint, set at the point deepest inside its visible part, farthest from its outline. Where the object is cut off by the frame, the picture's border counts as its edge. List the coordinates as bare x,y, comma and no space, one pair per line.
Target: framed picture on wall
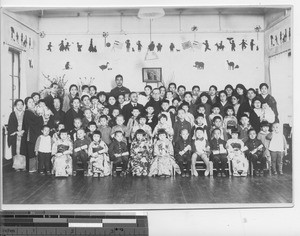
152,75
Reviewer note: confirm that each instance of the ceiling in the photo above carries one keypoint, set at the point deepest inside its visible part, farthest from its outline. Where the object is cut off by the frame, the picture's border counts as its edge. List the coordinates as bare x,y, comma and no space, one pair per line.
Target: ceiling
83,11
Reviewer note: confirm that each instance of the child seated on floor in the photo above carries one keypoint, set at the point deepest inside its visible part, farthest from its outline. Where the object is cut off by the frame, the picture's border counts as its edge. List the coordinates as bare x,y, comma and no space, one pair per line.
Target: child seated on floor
80,151
118,153
183,152
140,154
235,147
99,164
255,150
163,162
61,152
219,152
277,148
200,149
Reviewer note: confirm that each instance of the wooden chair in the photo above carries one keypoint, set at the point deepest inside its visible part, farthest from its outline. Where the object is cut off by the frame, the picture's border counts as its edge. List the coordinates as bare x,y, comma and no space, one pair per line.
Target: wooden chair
118,168
200,166
229,168
268,167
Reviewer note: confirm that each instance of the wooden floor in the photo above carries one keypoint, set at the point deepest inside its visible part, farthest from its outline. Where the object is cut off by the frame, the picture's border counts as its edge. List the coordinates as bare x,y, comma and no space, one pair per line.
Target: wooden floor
25,188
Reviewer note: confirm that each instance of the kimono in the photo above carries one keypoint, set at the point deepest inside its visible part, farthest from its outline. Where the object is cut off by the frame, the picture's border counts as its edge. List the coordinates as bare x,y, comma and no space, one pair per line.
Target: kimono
141,156
235,148
166,127
99,159
163,161
62,163
15,141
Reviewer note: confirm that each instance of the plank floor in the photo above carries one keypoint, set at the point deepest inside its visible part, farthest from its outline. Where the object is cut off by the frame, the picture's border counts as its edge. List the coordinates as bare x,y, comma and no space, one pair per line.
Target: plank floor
25,188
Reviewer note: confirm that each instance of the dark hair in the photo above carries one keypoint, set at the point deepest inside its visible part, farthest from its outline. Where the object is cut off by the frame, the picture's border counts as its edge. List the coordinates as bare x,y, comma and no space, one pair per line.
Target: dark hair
216,118
256,99
244,115
141,116
176,99
160,87
45,126
200,115
204,94
251,130
213,131
26,101
201,105
73,85
148,86
199,128
236,95
181,86
84,96
161,131
223,91
52,84
103,116
213,86
229,86
92,123
229,108
241,86
94,97
42,100
251,89
101,93
264,123
186,93
62,131
139,131
171,107
214,106
18,100
80,129
98,132
34,94
184,104
57,98
121,95
195,86
118,131
76,98
117,76
164,101
84,87
172,84
162,116
94,87
262,85
235,131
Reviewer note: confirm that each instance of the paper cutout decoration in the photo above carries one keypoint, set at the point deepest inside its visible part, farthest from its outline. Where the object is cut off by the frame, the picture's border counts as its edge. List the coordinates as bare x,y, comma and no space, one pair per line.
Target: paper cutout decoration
199,65
108,44
196,45
67,66
92,48
61,46
243,44
252,44
79,47
151,46
159,47
105,35
186,45
12,32
132,49
172,46
118,45
104,67
49,47
127,42
220,46
138,43
194,28
67,47
17,37
30,63
232,65
206,46
232,43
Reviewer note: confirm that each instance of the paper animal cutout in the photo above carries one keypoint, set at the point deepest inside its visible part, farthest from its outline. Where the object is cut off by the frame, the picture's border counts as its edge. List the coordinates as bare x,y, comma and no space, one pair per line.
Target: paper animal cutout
220,46
104,67
67,66
232,65
199,65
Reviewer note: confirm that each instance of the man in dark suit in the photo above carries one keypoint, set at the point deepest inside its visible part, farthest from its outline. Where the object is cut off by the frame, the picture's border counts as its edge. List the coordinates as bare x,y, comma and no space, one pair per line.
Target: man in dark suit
155,101
120,89
246,106
127,109
53,94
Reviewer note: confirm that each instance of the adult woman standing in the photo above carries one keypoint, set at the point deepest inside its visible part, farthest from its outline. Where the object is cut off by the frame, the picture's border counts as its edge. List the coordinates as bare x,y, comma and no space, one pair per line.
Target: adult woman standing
16,138
73,92
32,125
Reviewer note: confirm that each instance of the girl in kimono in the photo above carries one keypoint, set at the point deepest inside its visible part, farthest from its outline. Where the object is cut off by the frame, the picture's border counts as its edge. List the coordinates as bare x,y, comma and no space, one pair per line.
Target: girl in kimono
141,154
163,124
61,152
16,137
99,159
163,162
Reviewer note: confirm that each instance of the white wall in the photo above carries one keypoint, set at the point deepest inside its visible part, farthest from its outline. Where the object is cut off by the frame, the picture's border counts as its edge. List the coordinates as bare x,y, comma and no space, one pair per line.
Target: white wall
29,76
176,66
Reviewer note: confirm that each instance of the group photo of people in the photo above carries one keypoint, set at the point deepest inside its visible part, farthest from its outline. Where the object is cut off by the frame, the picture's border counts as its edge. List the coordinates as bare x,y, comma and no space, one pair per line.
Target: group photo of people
162,131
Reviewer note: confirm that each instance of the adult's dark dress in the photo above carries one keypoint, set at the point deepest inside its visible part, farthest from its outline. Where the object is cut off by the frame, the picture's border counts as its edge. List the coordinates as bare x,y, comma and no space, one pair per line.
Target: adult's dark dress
70,116
245,107
58,116
32,125
15,120
49,101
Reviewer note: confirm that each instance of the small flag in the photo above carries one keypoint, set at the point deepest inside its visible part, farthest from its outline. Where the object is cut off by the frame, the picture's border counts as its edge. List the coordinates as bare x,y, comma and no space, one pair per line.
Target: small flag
118,44
186,45
196,45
